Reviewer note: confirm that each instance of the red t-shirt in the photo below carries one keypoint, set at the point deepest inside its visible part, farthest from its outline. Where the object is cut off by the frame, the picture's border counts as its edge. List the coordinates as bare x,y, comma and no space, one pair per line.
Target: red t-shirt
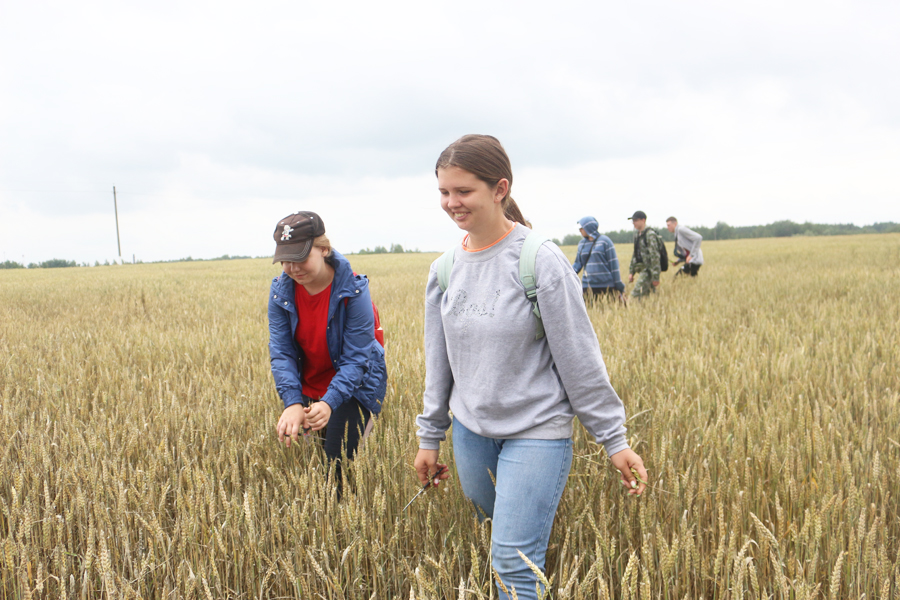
317,368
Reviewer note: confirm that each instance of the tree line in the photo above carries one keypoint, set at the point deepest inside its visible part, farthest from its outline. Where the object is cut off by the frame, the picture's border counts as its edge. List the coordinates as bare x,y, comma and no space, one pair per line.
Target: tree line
721,231
394,249
56,263
724,231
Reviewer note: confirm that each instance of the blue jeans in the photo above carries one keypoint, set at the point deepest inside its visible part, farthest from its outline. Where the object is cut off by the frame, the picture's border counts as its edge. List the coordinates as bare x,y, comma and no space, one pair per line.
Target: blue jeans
531,476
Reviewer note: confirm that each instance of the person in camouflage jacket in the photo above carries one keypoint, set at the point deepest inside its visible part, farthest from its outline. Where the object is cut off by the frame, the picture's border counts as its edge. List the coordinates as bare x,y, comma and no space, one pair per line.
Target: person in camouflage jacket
645,260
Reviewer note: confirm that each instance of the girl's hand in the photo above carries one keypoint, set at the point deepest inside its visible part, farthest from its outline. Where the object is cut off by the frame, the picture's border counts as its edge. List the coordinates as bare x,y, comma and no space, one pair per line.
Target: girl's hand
625,461
427,463
317,415
291,424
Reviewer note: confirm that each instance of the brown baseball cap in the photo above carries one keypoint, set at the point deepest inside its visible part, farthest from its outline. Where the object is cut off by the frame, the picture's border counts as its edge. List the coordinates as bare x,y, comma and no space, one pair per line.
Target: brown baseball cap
294,236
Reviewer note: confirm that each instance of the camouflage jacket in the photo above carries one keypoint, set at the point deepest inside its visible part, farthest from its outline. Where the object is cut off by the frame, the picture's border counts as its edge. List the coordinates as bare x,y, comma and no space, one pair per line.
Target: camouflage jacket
648,259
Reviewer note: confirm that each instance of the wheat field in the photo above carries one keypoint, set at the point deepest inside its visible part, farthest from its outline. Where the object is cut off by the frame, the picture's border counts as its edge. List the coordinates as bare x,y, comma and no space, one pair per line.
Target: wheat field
138,457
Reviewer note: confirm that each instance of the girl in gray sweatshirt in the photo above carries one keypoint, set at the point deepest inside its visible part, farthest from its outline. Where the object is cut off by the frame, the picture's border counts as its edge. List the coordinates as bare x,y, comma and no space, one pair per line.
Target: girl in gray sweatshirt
512,394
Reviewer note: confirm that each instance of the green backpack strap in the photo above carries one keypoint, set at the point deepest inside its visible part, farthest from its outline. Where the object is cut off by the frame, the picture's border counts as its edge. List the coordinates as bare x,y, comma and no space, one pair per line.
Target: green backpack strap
527,261
444,266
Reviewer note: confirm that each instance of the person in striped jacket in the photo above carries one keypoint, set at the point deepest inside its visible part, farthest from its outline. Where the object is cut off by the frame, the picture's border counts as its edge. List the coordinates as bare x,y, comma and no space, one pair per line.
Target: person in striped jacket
596,254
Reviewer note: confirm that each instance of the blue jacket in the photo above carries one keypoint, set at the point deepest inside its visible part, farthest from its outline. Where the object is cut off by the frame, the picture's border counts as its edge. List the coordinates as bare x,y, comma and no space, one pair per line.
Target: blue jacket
360,370
598,258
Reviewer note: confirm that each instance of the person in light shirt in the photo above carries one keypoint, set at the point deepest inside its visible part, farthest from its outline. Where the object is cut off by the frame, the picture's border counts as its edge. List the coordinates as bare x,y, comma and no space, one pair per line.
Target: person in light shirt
688,241
513,393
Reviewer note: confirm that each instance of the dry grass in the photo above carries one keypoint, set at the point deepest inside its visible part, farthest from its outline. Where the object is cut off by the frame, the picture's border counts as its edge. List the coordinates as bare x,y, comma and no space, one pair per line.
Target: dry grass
137,455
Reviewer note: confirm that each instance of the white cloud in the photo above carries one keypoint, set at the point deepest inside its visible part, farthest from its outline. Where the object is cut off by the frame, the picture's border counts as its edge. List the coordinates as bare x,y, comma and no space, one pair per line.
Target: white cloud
746,113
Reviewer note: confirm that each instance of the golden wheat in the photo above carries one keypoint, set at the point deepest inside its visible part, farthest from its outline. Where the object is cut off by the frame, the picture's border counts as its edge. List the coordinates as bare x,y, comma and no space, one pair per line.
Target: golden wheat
138,458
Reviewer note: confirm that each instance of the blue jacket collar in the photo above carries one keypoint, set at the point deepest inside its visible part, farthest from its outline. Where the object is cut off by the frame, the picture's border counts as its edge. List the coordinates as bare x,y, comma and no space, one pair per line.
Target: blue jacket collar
345,283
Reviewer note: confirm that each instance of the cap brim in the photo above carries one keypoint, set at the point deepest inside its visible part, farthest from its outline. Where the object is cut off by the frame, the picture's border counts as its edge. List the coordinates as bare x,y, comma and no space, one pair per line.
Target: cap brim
298,252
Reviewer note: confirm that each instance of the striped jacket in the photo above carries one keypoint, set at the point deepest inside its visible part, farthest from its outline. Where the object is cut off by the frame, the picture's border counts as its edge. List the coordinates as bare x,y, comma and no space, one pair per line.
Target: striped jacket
598,259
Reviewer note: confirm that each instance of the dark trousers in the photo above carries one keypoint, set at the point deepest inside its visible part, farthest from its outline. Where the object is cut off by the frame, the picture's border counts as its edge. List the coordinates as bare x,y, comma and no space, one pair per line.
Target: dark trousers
350,417
690,269
597,294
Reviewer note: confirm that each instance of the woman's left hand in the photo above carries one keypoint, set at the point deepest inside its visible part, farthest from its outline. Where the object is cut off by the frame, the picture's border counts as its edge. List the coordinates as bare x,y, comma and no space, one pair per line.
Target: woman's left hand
317,415
625,461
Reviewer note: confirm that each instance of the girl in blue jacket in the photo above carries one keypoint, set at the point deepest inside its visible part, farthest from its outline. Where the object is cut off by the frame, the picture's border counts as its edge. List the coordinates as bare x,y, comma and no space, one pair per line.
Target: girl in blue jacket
329,369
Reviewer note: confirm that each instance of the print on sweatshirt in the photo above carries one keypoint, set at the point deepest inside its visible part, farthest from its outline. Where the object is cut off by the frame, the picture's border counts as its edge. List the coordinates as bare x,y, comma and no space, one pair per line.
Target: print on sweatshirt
459,308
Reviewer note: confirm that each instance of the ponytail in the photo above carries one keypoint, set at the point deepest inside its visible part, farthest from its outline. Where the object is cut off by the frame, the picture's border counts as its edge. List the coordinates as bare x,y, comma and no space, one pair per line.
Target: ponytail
511,211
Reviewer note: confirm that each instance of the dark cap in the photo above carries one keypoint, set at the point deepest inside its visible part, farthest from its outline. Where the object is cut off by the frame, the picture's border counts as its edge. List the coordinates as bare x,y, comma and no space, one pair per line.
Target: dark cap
638,214
294,236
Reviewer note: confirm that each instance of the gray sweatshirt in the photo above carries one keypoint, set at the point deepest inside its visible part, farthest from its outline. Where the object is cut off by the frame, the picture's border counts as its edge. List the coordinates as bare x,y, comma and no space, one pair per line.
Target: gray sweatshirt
690,241
483,363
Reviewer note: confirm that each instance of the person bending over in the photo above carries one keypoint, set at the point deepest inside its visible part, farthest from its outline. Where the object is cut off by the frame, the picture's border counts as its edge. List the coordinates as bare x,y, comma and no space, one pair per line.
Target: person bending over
329,369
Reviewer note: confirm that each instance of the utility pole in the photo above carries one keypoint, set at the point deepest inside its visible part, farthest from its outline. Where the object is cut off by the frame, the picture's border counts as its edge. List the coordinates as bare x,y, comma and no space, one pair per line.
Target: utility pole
118,241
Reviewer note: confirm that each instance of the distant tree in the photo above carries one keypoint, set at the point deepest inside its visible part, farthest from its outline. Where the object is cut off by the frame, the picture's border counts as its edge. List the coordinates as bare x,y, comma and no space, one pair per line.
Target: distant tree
785,229
58,263
571,239
9,264
53,263
395,248
226,257
623,236
724,231
887,227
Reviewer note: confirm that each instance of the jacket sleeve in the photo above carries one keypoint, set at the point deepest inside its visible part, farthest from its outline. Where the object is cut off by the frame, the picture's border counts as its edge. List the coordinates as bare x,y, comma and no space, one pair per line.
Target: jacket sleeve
651,254
283,355
612,259
578,266
693,240
358,337
578,361
435,418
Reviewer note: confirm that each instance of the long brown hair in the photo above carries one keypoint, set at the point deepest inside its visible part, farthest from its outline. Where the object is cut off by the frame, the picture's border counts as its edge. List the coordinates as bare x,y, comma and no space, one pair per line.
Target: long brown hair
484,157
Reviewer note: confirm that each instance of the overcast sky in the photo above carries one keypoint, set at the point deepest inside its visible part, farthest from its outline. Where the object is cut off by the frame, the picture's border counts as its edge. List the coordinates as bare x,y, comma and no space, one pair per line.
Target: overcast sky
215,119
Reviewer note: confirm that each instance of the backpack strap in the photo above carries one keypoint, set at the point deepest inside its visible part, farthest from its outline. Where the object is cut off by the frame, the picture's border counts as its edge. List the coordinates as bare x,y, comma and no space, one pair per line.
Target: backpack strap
444,266
527,261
